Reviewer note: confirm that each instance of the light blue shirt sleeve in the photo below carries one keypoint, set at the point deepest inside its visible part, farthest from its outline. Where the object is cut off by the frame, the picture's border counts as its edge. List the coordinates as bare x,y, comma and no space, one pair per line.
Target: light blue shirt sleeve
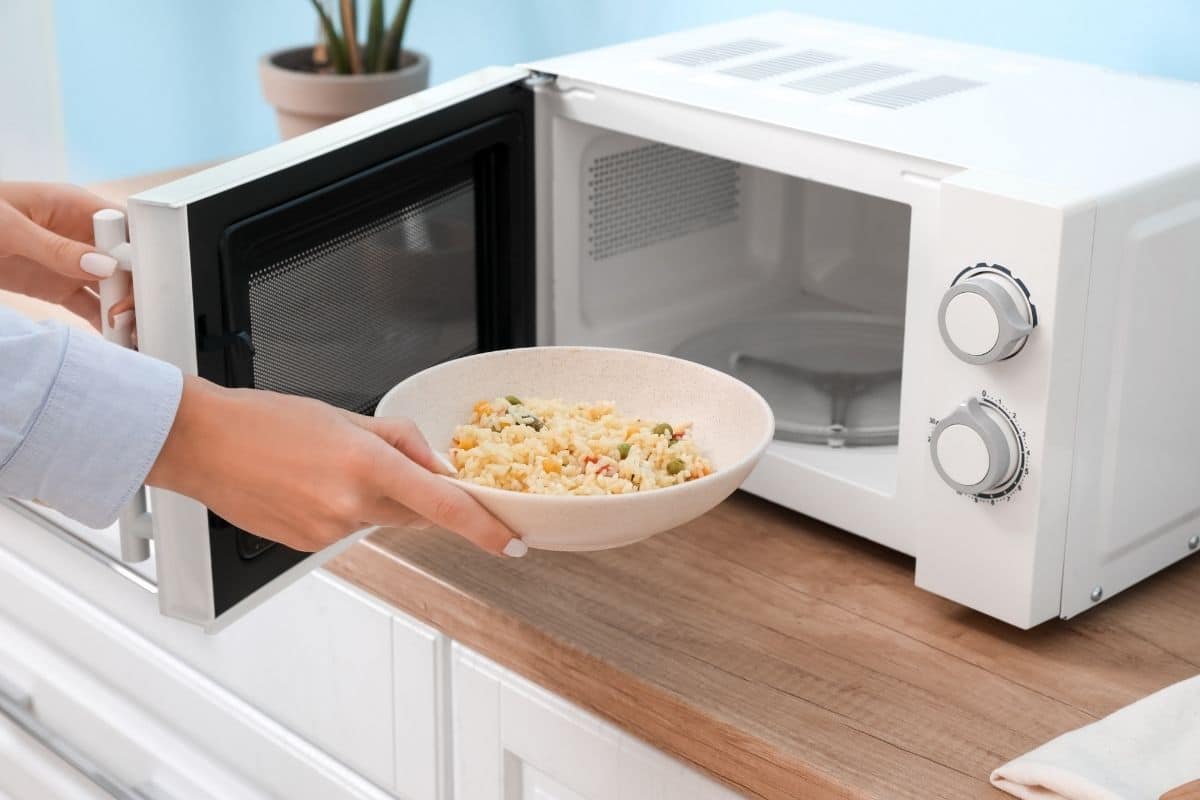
81,419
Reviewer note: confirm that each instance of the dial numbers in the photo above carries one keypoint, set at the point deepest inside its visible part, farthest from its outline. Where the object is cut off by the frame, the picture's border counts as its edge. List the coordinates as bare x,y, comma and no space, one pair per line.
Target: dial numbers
979,450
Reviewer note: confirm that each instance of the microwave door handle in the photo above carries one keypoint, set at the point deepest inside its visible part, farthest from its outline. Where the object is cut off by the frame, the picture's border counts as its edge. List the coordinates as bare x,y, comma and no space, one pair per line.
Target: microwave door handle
108,227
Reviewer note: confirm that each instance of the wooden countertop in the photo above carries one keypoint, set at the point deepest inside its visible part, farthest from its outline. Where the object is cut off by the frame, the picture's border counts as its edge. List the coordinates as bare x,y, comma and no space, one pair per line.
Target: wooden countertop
787,658
784,657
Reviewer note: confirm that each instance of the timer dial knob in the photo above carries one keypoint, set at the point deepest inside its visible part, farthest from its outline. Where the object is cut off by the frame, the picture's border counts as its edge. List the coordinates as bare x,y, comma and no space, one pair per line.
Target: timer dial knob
975,449
985,316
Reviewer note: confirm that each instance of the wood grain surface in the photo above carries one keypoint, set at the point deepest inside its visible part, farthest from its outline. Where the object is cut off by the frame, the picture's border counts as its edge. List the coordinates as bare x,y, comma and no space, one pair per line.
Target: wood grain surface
787,658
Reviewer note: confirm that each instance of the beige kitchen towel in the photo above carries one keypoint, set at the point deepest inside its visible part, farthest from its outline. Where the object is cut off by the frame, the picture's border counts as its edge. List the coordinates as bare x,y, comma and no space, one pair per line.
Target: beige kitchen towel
1139,752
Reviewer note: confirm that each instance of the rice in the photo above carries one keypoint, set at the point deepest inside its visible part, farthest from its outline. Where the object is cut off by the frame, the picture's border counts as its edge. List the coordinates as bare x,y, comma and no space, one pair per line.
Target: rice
551,447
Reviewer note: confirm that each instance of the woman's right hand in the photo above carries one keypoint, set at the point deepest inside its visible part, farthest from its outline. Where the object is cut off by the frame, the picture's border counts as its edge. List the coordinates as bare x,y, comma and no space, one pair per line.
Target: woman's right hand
305,474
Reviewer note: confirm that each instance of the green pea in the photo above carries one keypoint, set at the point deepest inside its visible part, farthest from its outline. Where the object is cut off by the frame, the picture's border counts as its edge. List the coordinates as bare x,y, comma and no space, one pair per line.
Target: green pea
674,466
663,429
513,400
623,449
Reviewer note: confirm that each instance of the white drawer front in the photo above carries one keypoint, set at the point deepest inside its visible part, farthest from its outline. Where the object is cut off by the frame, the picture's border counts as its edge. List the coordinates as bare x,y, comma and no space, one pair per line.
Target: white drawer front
118,636
100,732
317,657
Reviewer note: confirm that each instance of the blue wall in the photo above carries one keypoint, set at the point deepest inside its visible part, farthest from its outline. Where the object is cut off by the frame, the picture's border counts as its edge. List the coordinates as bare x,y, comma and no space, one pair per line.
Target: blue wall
187,88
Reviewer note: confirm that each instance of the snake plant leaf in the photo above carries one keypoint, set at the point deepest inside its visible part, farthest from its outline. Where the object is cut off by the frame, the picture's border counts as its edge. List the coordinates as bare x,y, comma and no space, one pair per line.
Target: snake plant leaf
337,51
350,35
389,53
374,37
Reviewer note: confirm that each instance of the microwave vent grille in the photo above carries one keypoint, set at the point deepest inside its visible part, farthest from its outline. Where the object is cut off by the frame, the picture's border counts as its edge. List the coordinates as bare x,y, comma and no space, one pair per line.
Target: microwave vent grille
848,78
909,94
654,193
792,62
702,56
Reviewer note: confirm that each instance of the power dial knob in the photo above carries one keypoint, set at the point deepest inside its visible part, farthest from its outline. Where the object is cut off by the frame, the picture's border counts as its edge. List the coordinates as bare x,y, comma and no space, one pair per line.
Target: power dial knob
986,315
976,449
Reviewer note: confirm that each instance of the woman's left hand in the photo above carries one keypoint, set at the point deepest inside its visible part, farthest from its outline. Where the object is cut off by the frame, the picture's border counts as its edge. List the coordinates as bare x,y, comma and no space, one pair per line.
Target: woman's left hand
46,246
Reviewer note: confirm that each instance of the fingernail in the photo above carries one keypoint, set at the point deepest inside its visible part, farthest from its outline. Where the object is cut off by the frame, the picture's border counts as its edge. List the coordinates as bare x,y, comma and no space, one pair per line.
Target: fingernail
122,321
98,264
515,548
419,524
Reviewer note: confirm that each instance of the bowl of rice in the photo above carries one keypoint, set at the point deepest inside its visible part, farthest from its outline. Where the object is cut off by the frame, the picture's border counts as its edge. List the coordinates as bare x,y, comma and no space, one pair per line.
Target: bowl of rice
585,448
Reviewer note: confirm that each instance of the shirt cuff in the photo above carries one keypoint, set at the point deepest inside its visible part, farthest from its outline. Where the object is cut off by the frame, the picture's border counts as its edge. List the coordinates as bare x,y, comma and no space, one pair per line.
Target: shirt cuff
99,432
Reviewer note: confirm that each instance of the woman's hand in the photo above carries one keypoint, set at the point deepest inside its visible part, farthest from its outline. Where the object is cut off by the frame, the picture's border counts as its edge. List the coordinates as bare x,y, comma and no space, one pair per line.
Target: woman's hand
306,474
46,245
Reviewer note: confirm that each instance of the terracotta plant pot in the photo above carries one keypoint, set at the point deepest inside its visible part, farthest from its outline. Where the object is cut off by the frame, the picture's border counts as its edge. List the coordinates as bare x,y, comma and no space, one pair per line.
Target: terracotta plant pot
305,100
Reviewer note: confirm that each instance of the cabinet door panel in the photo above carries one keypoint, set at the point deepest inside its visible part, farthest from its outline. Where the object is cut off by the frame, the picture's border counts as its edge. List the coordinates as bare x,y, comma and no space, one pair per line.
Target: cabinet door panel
422,710
513,740
478,750
558,739
318,658
537,785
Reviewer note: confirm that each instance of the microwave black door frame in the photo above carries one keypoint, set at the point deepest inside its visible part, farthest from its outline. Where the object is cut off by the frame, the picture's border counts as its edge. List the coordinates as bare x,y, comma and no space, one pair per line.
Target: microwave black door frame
490,136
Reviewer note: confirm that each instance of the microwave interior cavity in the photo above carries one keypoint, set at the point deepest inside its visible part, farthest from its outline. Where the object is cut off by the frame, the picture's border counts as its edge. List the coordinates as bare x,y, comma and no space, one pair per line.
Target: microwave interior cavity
794,286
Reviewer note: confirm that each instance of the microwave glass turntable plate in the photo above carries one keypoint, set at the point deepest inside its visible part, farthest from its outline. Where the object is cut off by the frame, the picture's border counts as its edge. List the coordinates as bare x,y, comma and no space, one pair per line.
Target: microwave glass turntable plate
832,378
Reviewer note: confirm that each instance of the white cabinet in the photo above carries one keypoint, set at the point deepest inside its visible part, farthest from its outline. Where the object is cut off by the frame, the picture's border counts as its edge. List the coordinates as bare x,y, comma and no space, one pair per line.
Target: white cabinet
70,735
513,740
98,622
322,692
316,658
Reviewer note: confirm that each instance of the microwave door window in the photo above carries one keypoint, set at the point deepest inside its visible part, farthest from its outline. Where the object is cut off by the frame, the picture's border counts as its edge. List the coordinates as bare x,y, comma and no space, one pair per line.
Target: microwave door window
344,321
338,275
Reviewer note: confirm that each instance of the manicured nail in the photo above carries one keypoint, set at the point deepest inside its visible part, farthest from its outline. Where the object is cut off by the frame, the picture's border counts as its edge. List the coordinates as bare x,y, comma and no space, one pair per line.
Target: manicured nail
515,548
98,264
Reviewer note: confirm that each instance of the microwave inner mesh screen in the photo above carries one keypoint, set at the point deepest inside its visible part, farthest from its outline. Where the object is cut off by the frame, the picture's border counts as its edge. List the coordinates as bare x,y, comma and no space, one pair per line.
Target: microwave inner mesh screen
654,193
345,321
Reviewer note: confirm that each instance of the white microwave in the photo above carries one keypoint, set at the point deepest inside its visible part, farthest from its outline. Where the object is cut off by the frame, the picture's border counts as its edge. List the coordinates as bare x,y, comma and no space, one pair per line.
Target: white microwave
968,282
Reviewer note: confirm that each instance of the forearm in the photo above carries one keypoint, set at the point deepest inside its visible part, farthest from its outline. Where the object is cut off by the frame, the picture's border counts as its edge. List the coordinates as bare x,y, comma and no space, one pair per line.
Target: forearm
81,420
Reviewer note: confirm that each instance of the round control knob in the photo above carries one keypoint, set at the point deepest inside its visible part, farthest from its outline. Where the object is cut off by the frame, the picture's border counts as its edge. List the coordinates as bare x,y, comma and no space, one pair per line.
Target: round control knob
975,449
985,316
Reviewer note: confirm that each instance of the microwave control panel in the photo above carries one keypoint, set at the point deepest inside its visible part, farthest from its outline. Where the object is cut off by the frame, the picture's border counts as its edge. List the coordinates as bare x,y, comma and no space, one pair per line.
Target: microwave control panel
979,450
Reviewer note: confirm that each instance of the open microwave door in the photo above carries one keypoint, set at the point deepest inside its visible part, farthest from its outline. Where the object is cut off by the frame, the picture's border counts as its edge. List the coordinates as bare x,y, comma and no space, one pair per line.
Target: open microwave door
333,265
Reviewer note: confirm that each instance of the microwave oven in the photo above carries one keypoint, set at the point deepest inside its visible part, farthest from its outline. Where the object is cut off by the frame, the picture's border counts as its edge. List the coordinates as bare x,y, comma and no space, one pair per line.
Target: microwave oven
967,281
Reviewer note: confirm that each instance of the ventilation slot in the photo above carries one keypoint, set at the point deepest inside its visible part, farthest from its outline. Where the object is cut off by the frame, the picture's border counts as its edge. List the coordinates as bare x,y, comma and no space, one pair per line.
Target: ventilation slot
760,70
654,193
909,94
842,79
720,52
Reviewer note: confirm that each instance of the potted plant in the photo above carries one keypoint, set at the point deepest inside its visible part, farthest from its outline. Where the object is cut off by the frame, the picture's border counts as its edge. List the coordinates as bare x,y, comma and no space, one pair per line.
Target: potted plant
342,75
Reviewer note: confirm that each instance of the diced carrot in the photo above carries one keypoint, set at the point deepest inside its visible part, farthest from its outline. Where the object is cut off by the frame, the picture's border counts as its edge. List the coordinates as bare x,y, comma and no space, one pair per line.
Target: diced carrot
551,465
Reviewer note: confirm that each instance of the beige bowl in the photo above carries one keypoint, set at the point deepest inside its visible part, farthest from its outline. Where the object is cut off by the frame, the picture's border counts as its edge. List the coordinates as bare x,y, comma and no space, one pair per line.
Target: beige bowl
732,427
